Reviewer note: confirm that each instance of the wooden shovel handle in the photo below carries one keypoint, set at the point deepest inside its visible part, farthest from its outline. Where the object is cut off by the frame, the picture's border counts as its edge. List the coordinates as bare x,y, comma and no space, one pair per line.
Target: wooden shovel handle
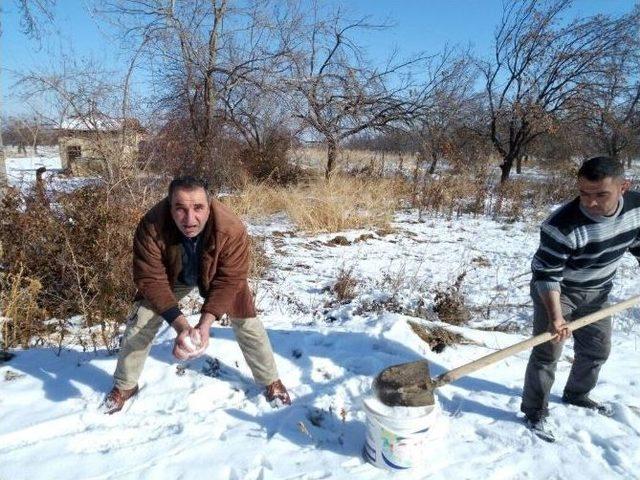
494,357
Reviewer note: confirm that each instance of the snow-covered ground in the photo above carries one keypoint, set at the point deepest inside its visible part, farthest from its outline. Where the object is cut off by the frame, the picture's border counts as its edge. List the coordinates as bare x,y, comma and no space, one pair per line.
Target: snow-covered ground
206,418
21,170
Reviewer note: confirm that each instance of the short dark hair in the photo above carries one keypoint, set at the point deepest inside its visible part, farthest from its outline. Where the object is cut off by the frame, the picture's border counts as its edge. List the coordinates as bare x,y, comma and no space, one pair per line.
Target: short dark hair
599,168
187,182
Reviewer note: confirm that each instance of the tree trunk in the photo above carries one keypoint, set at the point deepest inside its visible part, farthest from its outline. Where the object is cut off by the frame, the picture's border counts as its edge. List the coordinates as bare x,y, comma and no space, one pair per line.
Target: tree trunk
519,164
210,94
505,167
332,153
434,162
414,186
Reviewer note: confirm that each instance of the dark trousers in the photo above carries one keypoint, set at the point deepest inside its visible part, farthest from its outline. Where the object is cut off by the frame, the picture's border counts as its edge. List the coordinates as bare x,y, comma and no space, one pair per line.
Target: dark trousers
592,345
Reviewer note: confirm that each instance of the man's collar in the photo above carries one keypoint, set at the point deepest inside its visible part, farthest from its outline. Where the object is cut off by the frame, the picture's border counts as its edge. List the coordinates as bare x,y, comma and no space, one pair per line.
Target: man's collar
604,218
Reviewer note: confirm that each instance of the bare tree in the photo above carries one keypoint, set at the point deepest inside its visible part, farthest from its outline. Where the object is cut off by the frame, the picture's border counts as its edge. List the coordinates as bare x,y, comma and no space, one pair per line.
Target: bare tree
257,114
540,66
26,130
84,96
335,92
32,14
609,108
198,53
441,112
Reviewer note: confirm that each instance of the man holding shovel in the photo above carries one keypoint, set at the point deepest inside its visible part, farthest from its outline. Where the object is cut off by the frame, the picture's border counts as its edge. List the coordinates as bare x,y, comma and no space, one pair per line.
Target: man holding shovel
189,240
581,245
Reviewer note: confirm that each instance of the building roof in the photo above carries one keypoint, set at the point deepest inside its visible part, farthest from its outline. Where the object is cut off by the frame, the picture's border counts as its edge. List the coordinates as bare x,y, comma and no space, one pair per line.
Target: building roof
100,123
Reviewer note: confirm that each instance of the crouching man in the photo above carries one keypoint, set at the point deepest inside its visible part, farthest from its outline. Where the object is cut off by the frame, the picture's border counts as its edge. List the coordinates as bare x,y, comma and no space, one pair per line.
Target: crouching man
188,240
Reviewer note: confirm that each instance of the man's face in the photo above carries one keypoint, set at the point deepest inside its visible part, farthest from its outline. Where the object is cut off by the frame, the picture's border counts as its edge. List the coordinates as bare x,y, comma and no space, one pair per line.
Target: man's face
190,210
600,198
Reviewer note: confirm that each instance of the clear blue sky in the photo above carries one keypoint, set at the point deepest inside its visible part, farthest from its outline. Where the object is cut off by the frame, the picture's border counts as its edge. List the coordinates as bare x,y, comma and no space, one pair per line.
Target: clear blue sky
418,25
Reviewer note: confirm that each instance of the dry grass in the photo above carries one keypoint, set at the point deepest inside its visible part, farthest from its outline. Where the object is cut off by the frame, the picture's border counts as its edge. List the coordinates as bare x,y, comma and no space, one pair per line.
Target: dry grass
348,160
260,262
342,203
514,198
18,304
320,205
256,200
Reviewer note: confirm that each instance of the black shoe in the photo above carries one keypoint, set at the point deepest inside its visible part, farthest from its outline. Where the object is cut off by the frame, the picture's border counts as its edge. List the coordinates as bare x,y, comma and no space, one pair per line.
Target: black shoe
539,428
586,402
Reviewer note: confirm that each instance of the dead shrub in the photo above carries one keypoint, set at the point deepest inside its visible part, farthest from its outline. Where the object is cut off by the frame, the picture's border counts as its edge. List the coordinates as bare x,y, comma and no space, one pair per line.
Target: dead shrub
451,194
79,250
174,150
339,240
515,197
346,285
511,198
379,305
481,261
438,337
404,290
449,303
508,326
458,193
269,161
555,189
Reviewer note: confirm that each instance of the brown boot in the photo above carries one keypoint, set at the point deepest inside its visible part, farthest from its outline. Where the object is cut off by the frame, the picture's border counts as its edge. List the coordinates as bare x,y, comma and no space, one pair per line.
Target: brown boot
114,401
277,392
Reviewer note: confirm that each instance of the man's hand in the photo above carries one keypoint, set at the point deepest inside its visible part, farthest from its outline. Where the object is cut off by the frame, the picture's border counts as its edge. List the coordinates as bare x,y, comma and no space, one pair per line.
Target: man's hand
189,342
203,328
557,323
559,327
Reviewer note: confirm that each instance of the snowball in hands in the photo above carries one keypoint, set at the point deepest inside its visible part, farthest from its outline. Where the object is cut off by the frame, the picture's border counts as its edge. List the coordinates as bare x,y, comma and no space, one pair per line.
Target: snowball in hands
193,341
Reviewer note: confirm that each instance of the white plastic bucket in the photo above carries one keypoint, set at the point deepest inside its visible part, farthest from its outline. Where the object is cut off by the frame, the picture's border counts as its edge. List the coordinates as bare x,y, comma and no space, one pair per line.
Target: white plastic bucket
397,437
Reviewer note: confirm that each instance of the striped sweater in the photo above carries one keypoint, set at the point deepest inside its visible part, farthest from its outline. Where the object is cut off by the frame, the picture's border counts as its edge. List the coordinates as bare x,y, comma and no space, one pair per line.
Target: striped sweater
581,252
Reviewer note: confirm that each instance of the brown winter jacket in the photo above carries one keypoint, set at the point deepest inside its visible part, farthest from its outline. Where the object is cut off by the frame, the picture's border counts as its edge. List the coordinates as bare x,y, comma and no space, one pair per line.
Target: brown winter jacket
157,261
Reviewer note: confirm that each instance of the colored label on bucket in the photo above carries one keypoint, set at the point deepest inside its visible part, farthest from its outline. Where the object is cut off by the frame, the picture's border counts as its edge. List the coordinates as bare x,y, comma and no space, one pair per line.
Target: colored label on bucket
397,443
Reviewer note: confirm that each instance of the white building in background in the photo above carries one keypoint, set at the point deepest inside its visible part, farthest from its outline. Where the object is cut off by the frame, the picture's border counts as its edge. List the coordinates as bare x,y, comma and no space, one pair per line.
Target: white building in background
85,143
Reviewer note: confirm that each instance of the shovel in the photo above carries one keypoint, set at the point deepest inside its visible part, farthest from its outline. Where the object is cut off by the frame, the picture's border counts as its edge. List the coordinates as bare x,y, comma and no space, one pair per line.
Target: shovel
411,385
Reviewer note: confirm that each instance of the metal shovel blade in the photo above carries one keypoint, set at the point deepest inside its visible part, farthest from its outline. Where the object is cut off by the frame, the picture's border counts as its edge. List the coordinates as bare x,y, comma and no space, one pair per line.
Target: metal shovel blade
405,385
